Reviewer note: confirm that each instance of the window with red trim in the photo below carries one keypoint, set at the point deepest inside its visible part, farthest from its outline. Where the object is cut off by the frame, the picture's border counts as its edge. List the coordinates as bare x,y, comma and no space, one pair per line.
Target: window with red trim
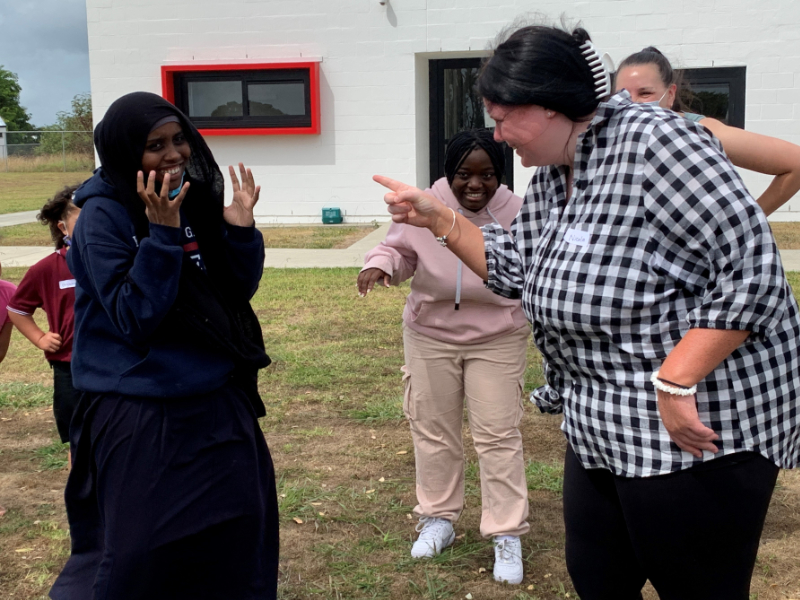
246,99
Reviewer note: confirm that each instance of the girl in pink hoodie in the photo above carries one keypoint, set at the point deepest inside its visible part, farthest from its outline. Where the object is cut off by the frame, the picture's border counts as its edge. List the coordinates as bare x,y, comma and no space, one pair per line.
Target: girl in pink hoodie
462,342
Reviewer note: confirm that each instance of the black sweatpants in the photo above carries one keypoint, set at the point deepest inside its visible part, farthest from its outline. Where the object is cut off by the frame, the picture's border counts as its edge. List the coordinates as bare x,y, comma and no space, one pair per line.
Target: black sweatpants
65,397
694,534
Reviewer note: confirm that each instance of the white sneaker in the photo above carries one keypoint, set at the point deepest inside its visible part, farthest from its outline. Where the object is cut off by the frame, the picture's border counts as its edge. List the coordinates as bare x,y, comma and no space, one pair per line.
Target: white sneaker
508,559
435,535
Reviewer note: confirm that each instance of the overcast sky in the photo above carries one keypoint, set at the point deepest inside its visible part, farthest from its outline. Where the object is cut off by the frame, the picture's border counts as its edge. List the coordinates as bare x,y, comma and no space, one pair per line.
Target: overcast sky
45,43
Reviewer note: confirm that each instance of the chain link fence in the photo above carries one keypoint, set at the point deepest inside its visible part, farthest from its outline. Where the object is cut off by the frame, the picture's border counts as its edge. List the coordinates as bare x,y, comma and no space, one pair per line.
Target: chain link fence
46,151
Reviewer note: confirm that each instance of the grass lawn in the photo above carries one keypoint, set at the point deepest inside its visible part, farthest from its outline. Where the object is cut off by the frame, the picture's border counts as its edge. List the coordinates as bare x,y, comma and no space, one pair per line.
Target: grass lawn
317,237
344,461
320,237
29,191
27,234
787,235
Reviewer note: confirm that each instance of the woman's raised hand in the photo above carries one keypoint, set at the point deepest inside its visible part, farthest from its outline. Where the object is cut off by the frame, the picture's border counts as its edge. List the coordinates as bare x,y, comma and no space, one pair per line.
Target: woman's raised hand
410,205
159,208
245,196
369,277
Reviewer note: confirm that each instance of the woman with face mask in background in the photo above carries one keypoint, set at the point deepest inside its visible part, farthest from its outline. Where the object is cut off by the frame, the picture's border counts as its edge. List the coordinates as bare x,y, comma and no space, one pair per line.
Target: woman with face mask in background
463,345
649,78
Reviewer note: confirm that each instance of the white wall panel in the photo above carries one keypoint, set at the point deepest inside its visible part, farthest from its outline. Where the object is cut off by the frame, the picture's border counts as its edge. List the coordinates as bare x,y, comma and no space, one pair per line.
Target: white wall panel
374,74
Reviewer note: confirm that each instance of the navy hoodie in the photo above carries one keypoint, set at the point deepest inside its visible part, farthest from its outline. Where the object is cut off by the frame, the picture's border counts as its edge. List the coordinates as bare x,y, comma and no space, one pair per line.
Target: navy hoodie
125,289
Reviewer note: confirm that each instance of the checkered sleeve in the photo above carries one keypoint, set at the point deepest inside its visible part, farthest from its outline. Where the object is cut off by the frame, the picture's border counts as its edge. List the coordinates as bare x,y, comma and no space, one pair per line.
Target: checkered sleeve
710,238
503,262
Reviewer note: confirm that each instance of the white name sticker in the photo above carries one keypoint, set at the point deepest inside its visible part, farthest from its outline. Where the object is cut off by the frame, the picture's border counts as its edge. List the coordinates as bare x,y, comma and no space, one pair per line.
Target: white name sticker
577,237
66,283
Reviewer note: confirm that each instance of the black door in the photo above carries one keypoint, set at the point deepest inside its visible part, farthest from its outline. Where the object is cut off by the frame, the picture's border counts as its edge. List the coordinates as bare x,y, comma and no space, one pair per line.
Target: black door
455,106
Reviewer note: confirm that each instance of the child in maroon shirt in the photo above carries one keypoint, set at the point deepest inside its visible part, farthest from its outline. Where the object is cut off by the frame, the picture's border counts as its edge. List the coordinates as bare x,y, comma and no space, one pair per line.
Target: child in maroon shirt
49,285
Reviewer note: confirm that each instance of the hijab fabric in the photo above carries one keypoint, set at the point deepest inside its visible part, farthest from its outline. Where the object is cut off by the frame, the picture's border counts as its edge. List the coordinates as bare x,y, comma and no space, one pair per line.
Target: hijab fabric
211,307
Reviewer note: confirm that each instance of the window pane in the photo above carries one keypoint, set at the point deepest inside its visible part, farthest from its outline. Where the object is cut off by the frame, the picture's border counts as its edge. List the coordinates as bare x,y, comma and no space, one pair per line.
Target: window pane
463,109
215,99
711,100
277,99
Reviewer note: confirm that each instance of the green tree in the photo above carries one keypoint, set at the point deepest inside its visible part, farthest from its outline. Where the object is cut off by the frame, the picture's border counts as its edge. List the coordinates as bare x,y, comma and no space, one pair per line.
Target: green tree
78,119
15,116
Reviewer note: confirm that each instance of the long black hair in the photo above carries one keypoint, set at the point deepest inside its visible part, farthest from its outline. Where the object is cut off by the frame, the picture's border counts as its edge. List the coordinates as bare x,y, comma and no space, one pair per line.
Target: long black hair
541,65
461,146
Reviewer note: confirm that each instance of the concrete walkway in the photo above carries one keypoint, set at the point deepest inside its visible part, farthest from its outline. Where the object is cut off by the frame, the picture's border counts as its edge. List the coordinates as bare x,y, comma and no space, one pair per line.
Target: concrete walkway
19,218
282,258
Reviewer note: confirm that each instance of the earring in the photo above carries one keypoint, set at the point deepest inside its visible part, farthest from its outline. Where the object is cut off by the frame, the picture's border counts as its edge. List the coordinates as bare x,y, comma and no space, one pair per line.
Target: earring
549,114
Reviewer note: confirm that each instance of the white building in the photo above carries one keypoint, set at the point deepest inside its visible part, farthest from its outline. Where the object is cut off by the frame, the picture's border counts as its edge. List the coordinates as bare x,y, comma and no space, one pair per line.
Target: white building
393,82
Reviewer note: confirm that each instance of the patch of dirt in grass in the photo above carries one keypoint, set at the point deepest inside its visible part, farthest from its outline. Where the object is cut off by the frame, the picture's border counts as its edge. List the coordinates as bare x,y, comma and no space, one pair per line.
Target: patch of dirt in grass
359,546
34,542
366,523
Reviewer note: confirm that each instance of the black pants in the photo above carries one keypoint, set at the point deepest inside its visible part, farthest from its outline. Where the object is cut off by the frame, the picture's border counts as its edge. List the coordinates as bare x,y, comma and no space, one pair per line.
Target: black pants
65,397
694,534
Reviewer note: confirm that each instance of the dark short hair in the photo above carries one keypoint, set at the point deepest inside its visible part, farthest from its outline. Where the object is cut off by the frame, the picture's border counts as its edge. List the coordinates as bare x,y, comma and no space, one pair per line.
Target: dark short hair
55,210
541,65
464,143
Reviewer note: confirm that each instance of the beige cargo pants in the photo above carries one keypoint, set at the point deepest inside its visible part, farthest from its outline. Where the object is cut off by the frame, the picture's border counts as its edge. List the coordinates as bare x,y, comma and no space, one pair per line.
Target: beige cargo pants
438,378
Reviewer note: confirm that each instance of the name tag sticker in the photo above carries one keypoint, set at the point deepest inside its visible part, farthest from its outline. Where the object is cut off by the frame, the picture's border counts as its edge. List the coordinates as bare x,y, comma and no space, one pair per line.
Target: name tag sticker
66,283
577,237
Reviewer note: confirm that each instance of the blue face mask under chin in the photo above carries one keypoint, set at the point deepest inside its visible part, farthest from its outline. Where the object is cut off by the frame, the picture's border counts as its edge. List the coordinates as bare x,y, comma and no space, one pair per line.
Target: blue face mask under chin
174,193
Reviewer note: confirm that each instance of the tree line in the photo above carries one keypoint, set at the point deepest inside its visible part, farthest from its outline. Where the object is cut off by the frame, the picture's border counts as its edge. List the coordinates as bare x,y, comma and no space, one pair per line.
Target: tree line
17,118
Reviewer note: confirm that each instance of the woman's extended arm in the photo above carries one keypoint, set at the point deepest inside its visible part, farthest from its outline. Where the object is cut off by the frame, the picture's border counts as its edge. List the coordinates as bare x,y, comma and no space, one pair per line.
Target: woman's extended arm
410,205
762,154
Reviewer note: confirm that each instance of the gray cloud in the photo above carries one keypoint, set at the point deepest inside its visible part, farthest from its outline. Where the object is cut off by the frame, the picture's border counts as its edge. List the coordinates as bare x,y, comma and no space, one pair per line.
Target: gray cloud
45,43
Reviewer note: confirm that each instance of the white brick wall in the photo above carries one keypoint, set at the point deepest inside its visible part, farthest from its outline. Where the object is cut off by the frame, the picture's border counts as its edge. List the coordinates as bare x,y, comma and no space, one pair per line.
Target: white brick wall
374,74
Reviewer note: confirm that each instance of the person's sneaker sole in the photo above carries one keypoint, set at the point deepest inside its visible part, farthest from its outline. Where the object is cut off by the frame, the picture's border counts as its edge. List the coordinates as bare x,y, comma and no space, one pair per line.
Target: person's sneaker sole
514,581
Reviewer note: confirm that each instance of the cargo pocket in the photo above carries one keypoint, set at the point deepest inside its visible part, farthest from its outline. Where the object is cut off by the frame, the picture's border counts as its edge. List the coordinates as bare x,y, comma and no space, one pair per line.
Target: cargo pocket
407,404
520,405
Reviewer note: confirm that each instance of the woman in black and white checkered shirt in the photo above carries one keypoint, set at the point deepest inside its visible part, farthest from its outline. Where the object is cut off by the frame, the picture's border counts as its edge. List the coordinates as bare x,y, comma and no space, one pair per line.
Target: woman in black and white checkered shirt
659,303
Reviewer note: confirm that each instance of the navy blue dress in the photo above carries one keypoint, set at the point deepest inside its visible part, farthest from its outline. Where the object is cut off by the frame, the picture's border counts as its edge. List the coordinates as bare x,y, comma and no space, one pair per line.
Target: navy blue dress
172,500
172,490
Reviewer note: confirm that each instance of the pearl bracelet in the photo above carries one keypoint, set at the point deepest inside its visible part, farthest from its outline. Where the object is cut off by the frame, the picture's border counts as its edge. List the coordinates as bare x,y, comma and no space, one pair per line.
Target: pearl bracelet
443,238
669,389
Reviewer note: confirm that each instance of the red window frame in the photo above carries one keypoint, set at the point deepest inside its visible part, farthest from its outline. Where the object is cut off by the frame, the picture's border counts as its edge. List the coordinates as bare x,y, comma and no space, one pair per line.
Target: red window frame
168,73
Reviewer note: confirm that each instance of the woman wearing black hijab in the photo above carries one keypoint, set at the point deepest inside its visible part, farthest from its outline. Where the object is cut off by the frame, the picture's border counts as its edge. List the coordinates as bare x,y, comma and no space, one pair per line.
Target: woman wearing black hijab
172,490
